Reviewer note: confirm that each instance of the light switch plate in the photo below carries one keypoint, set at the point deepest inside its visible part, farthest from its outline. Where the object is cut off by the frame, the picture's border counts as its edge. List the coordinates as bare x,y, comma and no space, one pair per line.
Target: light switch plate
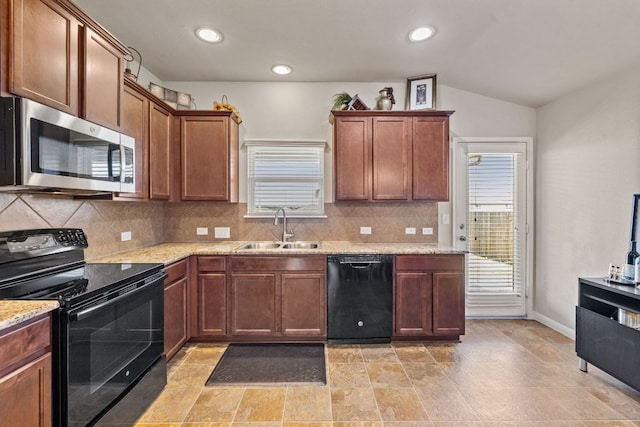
202,231
410,230
365,230
125,236
222,232
445,219
427,231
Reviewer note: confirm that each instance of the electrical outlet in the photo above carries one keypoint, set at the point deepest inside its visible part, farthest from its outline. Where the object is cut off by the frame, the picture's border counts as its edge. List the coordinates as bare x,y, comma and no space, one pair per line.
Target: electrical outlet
222,232
202,231
427,231
365,230
125,236
410,230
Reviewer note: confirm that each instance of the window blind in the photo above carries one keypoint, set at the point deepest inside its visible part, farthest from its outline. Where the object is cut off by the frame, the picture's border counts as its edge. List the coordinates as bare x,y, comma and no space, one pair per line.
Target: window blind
286,175
494,231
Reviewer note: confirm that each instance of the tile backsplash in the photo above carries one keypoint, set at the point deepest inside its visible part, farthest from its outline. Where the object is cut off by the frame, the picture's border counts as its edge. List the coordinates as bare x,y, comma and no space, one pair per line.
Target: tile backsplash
153,222
102,221
387,221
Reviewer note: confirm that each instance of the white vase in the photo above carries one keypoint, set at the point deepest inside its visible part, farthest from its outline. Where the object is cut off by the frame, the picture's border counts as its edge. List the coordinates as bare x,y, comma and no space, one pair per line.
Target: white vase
384,102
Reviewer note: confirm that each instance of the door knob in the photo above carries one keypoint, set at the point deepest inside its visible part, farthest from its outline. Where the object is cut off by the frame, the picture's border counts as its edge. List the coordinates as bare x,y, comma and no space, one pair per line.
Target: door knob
462,238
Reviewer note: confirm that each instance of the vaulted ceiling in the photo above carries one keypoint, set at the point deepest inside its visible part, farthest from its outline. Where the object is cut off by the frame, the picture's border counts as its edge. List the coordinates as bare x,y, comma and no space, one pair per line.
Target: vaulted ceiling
523,51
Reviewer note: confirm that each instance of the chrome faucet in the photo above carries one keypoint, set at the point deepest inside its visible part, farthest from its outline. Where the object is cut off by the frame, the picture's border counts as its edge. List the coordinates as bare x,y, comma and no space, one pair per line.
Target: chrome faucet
285,235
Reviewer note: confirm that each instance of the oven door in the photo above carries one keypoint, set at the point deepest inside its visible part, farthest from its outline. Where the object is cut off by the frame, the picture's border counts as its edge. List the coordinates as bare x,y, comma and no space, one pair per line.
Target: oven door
108,346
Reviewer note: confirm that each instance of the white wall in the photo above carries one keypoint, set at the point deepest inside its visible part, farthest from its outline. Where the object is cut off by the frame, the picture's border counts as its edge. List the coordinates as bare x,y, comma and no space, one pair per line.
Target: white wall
301,111
286,111
587,170
480,116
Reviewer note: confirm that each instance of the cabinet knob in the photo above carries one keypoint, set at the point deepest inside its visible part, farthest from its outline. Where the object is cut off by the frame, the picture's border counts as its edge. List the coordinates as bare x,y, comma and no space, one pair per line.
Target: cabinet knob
462,238
360,323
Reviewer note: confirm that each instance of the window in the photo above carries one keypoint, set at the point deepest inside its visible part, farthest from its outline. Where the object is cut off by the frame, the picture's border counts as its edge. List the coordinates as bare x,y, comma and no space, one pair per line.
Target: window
285,174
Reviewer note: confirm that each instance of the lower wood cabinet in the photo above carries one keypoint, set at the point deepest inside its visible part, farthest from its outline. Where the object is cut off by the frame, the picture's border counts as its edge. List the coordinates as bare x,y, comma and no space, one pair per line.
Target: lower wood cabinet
278,296
210,299
25,374
176,307
429,296
283,298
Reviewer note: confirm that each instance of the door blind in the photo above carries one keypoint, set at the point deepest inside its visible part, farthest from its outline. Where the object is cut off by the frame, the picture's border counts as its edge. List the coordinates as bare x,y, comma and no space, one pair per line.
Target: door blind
495,228
286,175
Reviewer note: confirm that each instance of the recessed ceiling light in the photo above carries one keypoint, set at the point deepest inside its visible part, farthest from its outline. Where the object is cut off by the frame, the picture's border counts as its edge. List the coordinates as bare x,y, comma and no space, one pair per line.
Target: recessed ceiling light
281,69
209,35
421,34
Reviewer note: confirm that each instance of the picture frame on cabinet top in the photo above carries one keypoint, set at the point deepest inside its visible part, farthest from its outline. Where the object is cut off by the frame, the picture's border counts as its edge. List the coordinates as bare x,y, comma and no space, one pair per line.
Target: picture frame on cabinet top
421,92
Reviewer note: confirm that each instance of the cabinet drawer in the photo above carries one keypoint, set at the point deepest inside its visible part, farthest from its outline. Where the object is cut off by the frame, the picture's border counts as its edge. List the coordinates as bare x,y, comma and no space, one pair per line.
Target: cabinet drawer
430,263
278,263
176,271
211,263
25,341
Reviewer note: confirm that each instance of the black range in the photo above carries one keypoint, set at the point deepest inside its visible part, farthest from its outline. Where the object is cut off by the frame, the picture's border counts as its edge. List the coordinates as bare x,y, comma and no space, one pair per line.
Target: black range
108,333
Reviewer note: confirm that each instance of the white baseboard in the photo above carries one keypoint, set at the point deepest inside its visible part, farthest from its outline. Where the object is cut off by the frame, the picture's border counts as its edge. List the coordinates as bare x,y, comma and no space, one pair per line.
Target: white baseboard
570,333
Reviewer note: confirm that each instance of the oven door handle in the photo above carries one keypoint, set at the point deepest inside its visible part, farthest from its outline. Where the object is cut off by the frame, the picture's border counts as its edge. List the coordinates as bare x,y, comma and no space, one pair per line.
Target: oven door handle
83,314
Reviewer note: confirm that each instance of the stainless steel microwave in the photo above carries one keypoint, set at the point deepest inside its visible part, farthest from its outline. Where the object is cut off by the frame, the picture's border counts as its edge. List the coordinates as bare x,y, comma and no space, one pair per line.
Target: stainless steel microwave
44,149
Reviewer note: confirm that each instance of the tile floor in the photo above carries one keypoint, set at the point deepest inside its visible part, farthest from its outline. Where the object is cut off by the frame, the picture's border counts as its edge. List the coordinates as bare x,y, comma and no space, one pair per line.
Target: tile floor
503,373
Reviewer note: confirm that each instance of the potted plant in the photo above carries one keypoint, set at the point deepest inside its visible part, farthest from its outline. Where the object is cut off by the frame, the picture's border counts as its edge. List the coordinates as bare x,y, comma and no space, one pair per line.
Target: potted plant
341,100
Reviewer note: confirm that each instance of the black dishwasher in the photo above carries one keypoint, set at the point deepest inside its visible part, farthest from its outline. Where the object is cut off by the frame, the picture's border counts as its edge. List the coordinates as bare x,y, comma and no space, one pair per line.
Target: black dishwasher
359,299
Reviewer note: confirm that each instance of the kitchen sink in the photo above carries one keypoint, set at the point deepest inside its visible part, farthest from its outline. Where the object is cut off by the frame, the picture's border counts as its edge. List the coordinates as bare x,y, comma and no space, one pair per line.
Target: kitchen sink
300,245
261,245
280,245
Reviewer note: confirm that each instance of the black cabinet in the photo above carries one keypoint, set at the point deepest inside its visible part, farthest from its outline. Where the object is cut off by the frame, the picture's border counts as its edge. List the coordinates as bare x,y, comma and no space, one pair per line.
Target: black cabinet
600,338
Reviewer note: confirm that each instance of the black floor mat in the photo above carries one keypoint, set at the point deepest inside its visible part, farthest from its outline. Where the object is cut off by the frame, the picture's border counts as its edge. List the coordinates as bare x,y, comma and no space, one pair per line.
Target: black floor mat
270,364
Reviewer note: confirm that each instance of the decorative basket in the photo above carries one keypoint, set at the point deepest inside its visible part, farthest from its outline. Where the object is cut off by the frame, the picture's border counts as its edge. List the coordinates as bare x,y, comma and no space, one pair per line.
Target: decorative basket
225,106
176,100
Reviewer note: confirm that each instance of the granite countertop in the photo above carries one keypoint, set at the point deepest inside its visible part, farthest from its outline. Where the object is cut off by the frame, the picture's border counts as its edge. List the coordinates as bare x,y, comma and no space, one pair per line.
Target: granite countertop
13,312
167,253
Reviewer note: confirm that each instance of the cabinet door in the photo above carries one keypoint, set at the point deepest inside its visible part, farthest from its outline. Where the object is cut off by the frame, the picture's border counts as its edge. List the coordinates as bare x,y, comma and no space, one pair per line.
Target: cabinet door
253,304
212,311
205,158
413,296
44,54
103,80
159,152
390,146
25,395
304,306
175,316
352,158
135,113
430,158
448,303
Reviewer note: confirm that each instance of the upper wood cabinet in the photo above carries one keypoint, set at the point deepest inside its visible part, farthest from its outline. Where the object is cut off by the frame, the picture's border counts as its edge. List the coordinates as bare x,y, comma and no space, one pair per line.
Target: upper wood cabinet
57,55
209,154
103,80
44,53
383,155
151,123
391,152
160,150
135,123
430,157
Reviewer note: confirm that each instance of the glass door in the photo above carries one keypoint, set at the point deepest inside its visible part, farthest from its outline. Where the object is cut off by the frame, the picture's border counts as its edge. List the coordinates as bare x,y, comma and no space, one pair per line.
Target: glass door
491,224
